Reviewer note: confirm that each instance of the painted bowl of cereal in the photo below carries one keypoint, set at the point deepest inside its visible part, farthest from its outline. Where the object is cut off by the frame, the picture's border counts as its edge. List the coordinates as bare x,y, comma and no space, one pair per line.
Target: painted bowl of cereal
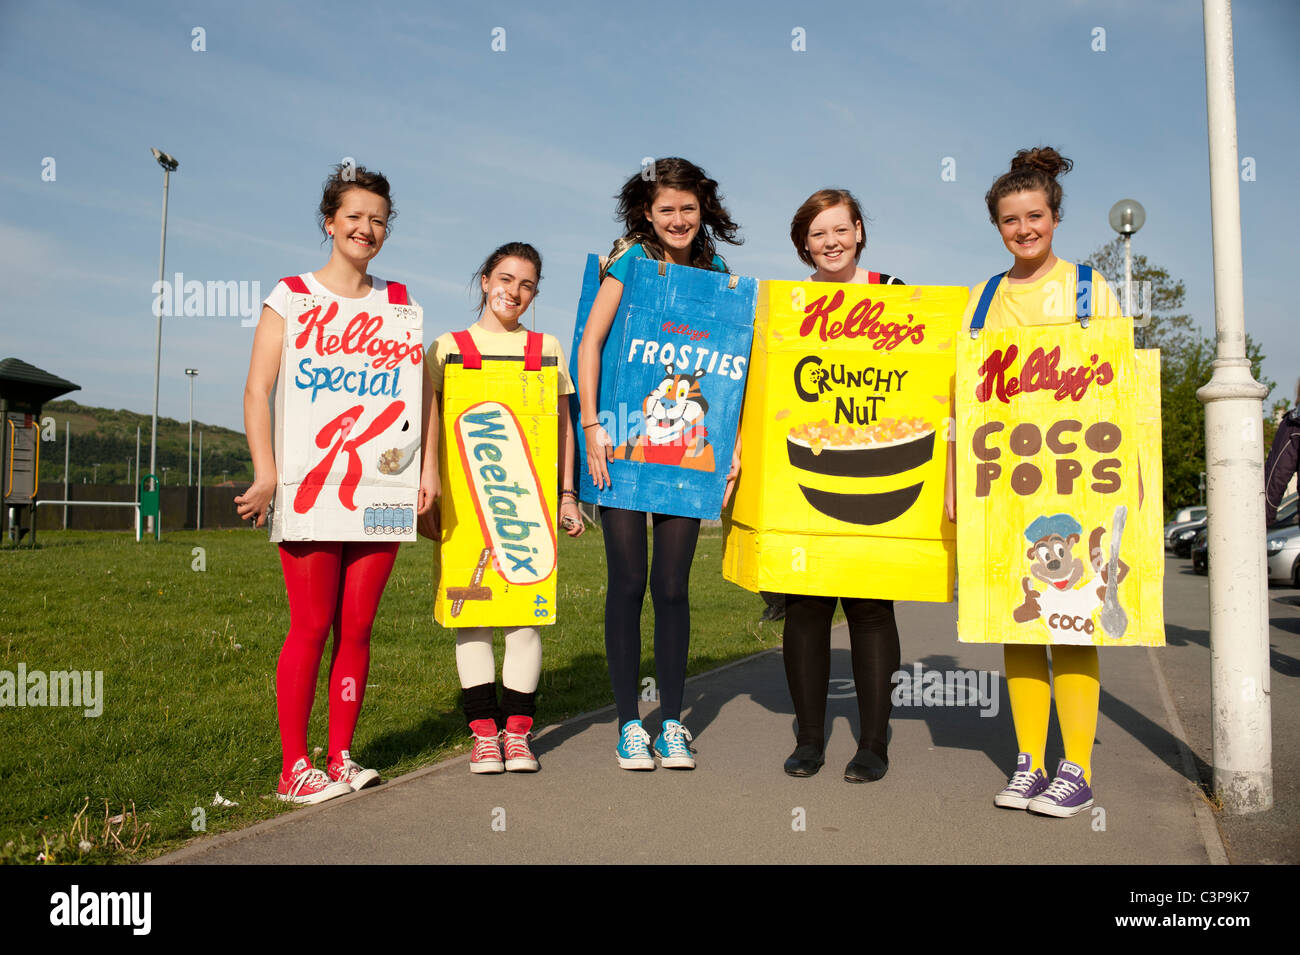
888,446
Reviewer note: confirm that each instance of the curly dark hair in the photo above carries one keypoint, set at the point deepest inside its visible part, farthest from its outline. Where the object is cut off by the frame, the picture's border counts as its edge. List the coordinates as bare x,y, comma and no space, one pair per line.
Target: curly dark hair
344,177
638,194
1031,169
521,250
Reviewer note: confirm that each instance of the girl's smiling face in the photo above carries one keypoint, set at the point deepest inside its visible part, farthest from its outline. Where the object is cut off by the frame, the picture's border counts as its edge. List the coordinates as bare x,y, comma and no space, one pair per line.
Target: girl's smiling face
510,289
359,226
1026,223
833,240
675,217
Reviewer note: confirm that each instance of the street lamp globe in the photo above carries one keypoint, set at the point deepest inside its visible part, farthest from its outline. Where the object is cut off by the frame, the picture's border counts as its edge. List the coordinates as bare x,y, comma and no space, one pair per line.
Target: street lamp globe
1127,216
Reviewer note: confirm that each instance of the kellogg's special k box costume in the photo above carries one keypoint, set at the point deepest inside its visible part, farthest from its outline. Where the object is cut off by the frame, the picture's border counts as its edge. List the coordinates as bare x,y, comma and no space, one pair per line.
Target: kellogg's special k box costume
671,386
347,418
498,457
845,433
1059,485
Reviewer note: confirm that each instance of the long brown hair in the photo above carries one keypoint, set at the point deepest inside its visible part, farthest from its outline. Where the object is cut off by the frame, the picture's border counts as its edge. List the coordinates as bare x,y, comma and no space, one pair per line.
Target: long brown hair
521,250
1031,169
638,194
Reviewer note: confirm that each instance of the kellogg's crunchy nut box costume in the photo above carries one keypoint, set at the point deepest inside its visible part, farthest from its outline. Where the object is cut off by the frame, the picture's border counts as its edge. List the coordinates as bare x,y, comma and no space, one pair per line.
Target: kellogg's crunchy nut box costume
845,431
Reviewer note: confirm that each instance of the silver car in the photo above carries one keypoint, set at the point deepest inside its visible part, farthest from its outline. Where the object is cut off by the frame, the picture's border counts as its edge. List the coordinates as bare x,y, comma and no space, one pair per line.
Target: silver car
1283,546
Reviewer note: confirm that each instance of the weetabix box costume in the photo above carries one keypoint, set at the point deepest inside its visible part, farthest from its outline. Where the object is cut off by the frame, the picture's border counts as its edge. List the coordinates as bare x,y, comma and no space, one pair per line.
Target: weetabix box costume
499,462
671,386
347,418
1059,482
845,433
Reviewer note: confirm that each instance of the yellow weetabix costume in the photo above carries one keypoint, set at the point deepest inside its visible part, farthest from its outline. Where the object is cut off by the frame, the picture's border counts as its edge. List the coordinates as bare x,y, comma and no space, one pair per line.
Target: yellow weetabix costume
498,461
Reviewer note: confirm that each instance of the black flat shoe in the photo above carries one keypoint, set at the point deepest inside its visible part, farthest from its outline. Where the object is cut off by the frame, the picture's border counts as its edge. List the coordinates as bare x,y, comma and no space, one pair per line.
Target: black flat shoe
865,767
804,761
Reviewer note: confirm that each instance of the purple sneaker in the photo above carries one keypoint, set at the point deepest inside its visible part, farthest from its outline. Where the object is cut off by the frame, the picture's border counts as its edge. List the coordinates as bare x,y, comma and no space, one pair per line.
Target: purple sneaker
1068,794
1023,786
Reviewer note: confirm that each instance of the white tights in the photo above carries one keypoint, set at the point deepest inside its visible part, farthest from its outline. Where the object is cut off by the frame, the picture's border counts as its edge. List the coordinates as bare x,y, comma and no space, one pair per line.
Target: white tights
521,669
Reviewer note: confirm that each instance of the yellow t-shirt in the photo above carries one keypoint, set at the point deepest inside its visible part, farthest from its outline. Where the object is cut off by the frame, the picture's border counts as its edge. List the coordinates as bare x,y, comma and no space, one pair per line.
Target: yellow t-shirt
1048,301
496,343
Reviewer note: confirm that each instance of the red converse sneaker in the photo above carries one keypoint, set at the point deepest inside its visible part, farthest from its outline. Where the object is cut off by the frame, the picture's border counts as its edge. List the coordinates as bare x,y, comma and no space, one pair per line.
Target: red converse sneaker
345,770
519,758
486,757
307,785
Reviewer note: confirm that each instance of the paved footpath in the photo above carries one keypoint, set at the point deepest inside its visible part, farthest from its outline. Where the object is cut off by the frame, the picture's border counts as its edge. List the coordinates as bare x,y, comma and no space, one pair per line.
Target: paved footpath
934,806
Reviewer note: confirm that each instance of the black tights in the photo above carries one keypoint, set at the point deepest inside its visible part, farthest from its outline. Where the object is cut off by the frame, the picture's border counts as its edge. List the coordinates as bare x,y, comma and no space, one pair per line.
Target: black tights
873,635
670,574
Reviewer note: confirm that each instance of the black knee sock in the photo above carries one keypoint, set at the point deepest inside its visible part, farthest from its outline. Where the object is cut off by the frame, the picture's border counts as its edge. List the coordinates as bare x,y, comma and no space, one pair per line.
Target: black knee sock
480,703
514,703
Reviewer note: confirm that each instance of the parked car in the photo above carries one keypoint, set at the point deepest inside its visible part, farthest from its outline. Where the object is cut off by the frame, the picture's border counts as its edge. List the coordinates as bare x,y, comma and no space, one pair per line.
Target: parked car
1183,517
1201,551
1284,556
1282,545
1183,538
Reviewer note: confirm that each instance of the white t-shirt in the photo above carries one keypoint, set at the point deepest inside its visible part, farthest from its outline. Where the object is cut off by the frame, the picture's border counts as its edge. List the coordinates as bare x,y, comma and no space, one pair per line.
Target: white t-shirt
1068,614
278,300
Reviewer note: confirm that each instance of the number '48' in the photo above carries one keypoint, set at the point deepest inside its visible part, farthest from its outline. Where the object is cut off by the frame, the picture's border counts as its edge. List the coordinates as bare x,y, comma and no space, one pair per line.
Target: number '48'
540,610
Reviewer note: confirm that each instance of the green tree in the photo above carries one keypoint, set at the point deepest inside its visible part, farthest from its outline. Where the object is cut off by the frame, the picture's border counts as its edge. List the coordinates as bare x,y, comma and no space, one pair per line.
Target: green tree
1186,362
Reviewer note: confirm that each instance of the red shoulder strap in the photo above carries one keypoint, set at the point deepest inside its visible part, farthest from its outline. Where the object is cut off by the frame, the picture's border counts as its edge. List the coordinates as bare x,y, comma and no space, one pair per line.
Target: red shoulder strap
469,353
396,293
873,278
533,352
296,284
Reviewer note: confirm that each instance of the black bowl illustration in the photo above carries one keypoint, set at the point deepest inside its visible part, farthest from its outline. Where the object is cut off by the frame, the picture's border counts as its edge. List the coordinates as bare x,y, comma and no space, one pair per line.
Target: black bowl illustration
863,509
874,460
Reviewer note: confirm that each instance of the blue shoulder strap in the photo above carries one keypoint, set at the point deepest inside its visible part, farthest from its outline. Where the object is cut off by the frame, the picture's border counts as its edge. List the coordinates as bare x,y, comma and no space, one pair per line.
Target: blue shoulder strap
982,309
1083,294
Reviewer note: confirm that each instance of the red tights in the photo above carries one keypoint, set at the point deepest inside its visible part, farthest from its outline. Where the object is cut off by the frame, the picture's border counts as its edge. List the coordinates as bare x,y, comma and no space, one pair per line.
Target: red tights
334,584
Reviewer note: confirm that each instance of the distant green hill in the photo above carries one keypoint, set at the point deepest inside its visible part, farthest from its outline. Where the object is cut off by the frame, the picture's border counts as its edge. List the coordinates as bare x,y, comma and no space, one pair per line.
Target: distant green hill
107,438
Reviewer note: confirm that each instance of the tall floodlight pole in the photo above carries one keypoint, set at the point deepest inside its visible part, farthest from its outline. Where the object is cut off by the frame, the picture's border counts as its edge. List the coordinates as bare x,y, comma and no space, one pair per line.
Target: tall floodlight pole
1126,217
1234,462
169,166
192,373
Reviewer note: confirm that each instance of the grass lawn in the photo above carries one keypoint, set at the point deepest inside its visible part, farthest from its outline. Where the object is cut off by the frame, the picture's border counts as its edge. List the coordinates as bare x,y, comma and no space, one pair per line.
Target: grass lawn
188,660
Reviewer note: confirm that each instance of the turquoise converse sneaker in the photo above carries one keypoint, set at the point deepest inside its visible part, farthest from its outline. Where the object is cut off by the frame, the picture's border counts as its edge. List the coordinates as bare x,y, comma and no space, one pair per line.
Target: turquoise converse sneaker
671,746
634,747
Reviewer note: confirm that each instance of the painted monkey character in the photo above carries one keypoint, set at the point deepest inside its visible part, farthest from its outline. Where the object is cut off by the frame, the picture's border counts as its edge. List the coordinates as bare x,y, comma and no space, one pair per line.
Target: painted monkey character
673,432
1062,604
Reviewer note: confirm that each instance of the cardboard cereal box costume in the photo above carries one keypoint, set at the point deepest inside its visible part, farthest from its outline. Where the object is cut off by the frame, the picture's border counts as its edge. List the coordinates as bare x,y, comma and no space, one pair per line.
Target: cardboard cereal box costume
845,432
671,386
347,418
1059,486
499,462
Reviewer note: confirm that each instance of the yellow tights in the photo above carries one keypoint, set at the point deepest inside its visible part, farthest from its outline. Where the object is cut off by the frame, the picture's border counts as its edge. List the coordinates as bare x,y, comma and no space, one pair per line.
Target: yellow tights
1078,694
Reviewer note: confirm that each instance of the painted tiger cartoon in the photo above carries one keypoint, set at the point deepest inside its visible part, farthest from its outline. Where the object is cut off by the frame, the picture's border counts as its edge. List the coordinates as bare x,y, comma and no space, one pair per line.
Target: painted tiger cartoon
673,433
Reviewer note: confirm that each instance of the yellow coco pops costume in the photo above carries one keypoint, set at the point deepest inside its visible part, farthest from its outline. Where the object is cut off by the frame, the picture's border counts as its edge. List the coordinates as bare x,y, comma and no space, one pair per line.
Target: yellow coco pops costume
1053,299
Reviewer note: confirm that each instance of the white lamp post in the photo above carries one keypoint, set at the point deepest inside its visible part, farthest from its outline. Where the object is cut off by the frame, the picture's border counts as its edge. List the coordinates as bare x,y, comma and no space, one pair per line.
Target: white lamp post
169,166
1126,217
192,373
1234,464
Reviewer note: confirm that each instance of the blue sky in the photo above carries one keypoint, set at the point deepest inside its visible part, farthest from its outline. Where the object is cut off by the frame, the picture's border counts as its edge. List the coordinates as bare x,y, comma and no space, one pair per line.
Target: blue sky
531,143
